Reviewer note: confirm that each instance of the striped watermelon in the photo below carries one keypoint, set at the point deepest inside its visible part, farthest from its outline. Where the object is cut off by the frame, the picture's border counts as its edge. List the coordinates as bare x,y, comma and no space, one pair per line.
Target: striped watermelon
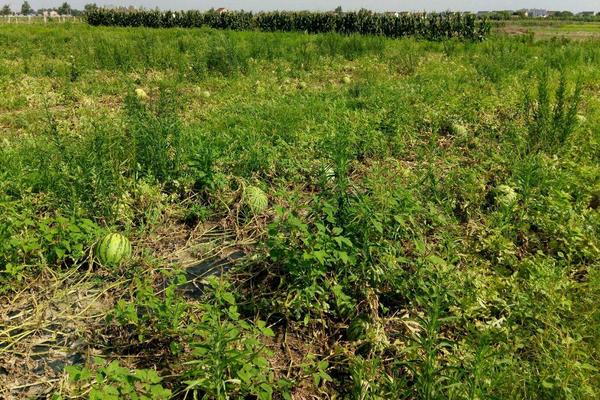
256,200
113,249
329,173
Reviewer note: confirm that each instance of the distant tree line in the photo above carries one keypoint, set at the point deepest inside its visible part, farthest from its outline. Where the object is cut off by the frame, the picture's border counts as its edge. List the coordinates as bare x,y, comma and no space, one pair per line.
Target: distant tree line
64,9
506,15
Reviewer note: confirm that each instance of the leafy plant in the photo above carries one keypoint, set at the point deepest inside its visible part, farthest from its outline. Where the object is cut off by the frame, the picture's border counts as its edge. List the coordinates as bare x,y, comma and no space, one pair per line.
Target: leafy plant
311,256
153,317
317,370
111,381
229,359
550,125
54,240
155,134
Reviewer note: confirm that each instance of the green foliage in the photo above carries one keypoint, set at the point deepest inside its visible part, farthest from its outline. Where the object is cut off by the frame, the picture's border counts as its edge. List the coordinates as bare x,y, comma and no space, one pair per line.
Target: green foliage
155,136
310,257
430,26
224,56
317,370
550,125
111,381
346,248
50,240
228,356
150,316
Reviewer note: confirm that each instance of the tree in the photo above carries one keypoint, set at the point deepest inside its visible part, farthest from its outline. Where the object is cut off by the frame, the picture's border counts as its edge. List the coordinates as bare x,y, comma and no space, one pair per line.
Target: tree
564,14
504,15
26,8
90,7
64,9
338,9
6,10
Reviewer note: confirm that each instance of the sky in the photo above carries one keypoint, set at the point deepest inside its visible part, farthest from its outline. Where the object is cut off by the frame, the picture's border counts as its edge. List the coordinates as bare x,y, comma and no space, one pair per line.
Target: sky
379,5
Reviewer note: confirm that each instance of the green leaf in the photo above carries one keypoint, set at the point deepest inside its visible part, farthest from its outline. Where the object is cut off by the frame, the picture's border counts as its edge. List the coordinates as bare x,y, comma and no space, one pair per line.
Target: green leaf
547,385
436,260
228,297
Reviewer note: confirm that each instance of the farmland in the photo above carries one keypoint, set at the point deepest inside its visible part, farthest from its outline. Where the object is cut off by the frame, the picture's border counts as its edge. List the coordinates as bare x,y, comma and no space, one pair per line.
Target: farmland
310,215
551,29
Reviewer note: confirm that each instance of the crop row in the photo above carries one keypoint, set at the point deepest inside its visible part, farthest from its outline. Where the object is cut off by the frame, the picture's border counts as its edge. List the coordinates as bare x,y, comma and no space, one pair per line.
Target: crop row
428,26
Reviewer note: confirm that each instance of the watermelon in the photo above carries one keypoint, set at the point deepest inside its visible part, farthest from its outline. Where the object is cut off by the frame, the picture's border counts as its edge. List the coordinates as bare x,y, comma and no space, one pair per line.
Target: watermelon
329,173
459,129
255,199
346,79
113,249
358,328
141,94
506,196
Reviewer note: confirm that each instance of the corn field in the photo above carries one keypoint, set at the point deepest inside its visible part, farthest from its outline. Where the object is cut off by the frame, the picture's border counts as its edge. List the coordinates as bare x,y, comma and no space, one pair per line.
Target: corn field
428,26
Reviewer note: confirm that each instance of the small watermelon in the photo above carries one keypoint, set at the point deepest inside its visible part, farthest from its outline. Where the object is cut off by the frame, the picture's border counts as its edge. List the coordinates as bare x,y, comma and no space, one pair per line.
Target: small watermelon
506,196
358,328
256,200
113,249
329,173
346,79
459,129
141,94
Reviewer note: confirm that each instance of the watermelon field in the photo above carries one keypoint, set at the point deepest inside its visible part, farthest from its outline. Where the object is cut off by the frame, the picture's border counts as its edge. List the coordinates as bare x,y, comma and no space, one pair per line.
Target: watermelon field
194,213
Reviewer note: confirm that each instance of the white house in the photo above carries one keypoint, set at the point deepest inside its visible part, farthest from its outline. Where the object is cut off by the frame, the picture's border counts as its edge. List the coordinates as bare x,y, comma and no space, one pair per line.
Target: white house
537,13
